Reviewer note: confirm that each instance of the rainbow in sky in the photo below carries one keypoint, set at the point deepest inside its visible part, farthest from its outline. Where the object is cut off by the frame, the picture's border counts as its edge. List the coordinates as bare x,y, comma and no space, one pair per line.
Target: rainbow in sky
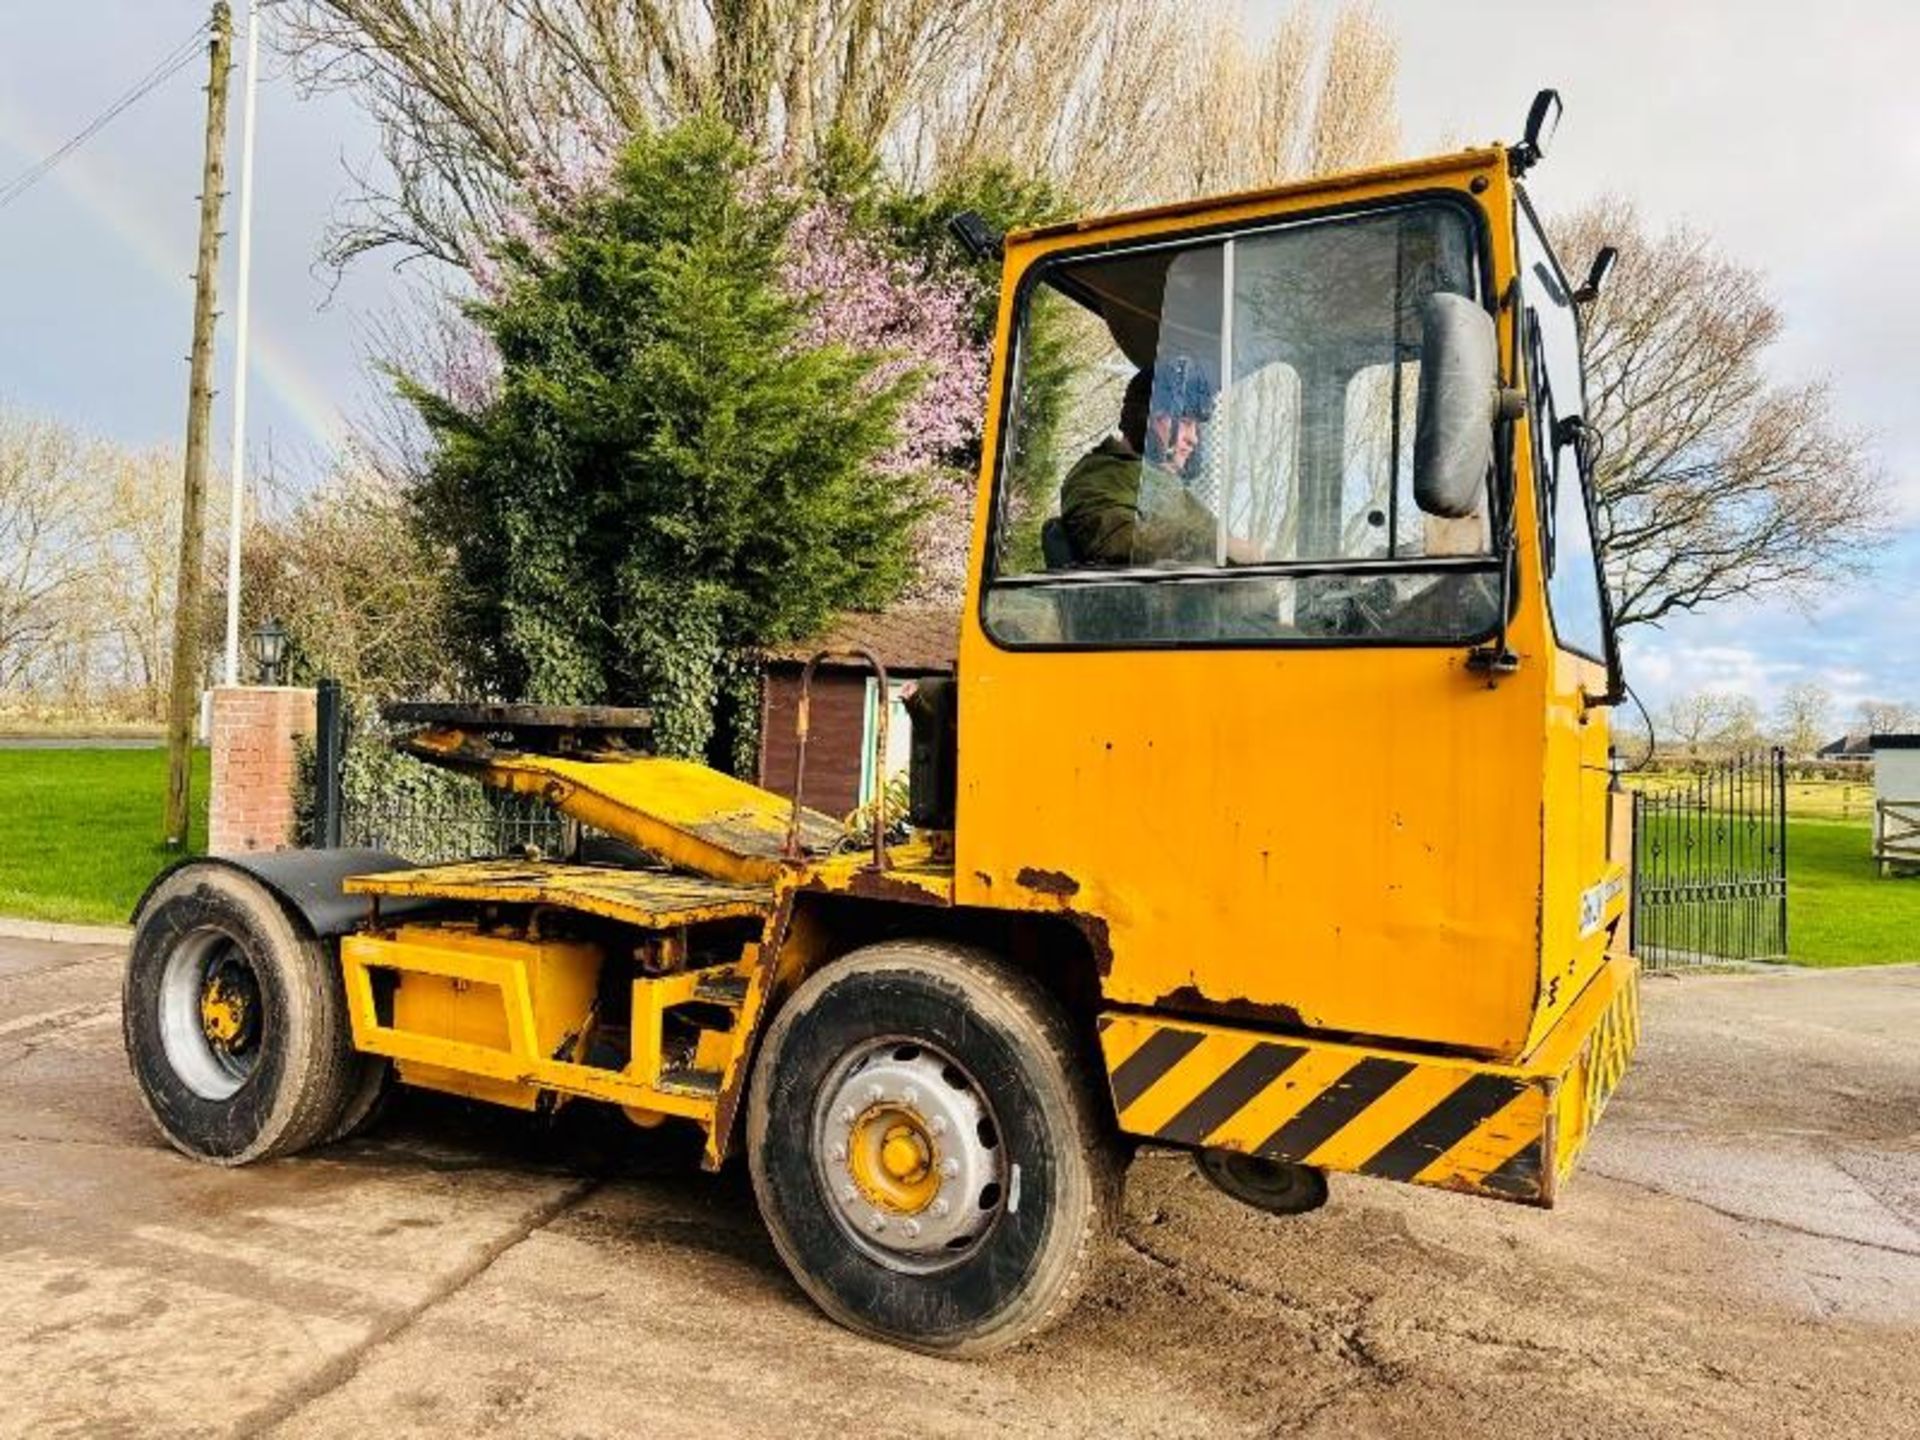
271,364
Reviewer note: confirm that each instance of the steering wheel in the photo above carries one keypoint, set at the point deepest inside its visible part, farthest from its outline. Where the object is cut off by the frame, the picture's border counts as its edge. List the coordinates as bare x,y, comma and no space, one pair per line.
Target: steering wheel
1337,605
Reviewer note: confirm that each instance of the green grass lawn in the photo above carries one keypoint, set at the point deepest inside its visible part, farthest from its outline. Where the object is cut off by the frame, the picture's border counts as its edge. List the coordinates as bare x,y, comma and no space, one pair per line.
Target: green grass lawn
1806,799
83,830
82,839
1839,910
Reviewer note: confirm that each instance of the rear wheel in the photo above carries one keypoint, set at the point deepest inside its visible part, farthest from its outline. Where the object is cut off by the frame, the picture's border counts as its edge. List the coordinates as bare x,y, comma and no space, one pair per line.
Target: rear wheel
926,1149
235,1022
368,1101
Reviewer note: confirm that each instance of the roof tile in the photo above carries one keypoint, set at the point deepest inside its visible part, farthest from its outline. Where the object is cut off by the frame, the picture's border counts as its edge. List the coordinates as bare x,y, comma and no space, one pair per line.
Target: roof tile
918,639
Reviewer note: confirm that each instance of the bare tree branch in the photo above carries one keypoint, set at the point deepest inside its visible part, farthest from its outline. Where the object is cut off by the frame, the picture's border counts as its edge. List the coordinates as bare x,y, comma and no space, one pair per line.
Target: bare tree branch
1717,481
481,102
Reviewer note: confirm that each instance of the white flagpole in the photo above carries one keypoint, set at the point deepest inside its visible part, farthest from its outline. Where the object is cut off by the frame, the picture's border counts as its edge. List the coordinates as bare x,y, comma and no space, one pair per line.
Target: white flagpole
237,469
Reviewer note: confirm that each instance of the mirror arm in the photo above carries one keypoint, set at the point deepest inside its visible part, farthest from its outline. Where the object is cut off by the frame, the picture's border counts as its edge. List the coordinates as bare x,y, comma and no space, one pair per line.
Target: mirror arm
1509,404
1616,692
979,239
1497,660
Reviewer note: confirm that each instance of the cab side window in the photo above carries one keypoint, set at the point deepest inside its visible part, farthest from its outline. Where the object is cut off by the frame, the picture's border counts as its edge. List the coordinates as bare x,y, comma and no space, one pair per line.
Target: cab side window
1214,443
1556,404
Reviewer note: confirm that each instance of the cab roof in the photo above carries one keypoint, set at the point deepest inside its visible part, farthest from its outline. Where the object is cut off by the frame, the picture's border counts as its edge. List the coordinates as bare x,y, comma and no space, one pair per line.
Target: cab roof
1488,156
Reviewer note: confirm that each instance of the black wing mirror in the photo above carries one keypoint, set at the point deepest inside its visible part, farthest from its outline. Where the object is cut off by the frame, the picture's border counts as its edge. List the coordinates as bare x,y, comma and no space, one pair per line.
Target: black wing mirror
979,239
1596,276
1543,118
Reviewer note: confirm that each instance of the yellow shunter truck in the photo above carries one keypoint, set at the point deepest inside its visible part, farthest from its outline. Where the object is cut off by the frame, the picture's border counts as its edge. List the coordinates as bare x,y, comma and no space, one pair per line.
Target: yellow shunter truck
1268,815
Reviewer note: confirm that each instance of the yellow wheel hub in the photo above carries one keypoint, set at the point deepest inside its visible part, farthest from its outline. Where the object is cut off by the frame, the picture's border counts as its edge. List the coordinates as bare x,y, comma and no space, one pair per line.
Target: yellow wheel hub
891,1157
909,1157
223,1014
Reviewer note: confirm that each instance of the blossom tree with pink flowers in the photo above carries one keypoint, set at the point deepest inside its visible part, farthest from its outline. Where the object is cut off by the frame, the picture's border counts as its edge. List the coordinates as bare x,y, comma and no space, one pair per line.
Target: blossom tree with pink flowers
871,299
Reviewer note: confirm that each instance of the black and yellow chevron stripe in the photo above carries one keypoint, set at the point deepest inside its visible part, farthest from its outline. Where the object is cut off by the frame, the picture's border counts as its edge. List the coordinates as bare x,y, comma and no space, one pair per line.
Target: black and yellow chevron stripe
1614,1040
1340,1107
1509,1131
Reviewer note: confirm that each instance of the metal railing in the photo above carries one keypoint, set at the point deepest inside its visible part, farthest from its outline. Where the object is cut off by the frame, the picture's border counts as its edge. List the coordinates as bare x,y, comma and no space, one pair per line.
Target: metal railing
481,826
1710,866
367,794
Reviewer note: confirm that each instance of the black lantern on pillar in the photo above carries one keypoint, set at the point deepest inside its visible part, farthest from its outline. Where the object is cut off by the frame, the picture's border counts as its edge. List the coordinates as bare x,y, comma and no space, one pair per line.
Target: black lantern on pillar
269,646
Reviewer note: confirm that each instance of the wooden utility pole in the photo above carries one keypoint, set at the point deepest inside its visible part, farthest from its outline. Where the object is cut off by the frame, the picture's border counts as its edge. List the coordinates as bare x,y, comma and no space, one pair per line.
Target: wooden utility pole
189,592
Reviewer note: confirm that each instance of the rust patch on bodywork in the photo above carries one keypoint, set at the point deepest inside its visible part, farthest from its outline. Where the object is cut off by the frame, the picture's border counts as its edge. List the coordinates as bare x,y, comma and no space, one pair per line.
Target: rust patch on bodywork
1098,941
649,899
880,885
1048,882
1188,999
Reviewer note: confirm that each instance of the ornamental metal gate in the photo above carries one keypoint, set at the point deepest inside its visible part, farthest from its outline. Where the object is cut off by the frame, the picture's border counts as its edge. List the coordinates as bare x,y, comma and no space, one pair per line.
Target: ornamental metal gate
1710,865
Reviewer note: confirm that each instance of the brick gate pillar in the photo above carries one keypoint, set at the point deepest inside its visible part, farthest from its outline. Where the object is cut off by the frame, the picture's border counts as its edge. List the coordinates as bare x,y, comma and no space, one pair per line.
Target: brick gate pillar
251,805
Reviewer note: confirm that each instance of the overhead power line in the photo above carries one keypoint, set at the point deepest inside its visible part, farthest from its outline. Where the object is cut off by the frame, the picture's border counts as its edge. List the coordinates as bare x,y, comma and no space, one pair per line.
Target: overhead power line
176,59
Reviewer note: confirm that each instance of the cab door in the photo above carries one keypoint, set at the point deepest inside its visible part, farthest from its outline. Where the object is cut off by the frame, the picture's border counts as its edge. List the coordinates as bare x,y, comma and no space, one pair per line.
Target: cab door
1264,774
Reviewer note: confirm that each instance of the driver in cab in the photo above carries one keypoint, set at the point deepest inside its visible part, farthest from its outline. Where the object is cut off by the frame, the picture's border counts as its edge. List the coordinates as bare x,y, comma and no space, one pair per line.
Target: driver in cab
1126,501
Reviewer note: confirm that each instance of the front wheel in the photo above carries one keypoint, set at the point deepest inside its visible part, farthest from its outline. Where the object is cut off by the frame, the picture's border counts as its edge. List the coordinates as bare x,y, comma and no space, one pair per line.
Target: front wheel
235,1022
927,1151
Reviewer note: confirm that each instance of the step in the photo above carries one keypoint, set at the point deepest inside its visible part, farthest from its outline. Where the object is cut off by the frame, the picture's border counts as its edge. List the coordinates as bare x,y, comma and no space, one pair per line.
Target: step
728,989
680,1080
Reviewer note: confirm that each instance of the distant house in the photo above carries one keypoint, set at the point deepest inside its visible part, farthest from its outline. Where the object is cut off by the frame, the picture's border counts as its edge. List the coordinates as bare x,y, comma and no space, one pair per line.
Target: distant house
911,643
1847,747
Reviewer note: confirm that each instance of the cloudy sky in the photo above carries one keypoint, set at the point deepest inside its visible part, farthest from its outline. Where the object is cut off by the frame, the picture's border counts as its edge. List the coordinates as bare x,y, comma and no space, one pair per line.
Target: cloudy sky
1790,132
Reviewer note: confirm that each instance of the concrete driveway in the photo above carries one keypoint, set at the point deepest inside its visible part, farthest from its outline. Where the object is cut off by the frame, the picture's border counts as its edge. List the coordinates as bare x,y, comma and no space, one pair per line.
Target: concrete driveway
1739,1255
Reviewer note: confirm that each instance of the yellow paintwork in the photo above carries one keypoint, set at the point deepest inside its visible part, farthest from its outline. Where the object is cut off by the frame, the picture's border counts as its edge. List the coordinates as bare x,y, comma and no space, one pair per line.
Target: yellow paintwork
890,1157
480,1013
689,815
1372,842
1368,840
913,875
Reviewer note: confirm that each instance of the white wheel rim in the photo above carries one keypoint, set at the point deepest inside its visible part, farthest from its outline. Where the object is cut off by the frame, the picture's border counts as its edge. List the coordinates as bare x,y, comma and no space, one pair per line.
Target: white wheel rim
909,1155
210,1071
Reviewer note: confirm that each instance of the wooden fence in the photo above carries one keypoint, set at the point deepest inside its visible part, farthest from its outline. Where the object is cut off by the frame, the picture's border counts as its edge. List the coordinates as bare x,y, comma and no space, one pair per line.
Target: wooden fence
1896,835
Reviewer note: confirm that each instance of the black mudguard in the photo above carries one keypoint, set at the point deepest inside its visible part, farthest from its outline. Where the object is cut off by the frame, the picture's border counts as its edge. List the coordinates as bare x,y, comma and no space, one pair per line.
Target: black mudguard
308,883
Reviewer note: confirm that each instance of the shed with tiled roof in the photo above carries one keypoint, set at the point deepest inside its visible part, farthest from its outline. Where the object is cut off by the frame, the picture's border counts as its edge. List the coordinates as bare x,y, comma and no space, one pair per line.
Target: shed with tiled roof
912,642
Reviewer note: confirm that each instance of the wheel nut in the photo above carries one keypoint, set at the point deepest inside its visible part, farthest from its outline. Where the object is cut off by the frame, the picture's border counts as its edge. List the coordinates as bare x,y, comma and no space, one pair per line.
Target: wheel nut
877,1223
937,1125
875,1094
949,1167
849,1194
839,1153
848,1115
910,1097
912,1229
938,1209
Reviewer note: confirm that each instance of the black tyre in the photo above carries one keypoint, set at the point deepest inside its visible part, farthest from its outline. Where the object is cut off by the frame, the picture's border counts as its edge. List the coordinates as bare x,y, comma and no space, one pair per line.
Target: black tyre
367,1101
1277,1186
235,1022
927,1149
